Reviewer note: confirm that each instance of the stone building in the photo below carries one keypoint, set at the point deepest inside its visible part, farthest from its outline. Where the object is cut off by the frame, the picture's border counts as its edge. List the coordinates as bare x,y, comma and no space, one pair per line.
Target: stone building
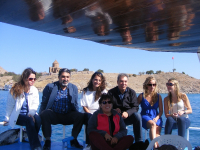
55,67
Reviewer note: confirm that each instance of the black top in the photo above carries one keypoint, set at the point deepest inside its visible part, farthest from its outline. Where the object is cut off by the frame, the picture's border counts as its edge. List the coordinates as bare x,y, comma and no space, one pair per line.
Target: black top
129,102
112,125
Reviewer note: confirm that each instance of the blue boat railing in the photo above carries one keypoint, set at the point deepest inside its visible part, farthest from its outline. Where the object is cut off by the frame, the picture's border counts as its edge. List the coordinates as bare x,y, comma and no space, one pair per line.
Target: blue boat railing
188,132
84,137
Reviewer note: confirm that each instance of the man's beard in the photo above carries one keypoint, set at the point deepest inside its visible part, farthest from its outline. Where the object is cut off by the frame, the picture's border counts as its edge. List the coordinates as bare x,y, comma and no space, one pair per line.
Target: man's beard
65,84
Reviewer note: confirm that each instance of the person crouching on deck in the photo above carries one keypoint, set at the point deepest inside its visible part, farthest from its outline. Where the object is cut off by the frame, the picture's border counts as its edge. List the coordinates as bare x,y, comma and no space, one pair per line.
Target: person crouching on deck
60,106
106,128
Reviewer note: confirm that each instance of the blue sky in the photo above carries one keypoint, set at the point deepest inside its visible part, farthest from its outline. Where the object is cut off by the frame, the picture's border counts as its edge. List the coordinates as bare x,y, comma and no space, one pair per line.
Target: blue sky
21,48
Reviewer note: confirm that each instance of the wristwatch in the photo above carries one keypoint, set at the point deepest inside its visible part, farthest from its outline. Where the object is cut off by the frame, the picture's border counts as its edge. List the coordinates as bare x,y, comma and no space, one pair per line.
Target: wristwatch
184,111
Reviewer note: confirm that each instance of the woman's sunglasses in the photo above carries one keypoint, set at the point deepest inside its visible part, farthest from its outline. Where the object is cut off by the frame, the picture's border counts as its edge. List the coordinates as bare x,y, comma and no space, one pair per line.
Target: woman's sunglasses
31,79
169,84
105,102
99,73
151,84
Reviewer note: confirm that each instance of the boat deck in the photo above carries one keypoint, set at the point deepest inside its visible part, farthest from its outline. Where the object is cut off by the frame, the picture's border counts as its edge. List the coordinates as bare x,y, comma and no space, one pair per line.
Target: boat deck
26,146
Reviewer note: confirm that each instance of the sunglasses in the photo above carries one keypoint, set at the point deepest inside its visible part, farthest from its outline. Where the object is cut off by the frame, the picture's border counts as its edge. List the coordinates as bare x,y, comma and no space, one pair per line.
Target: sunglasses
169,84
99,73
31,79
151,84
105,102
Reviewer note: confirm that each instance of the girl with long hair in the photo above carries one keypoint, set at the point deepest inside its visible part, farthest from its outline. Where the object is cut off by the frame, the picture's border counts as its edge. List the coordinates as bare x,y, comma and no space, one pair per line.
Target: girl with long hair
150,102
22,105
90,97
177,107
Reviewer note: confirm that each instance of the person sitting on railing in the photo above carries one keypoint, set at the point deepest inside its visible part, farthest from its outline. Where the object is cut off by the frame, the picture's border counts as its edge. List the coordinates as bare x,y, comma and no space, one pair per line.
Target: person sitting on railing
90,97
106,128
126,104
150,101
177,107
22,105
60,106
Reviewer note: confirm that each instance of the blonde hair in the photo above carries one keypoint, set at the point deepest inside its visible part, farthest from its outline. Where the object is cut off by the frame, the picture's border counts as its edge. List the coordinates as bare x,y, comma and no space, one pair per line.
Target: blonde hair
177,91
145,90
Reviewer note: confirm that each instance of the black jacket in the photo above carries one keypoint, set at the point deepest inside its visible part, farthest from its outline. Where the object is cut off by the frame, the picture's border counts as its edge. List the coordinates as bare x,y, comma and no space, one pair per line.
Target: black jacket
129,104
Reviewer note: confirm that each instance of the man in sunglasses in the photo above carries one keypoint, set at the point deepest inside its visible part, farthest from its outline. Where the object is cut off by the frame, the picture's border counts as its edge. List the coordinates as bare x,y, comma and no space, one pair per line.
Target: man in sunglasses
125,103
60,106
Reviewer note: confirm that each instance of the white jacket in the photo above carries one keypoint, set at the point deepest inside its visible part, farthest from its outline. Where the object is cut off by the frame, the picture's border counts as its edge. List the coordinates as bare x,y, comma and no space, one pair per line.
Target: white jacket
13,106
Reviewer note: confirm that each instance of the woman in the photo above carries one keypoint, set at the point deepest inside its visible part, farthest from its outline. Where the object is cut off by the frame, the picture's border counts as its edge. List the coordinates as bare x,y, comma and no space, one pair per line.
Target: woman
90,97
150,102
107,129
22,105
177,107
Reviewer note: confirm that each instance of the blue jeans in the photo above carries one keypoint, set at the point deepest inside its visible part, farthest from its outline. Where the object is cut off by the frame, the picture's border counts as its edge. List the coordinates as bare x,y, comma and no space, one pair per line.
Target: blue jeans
136,120
182,124
32,128
86,119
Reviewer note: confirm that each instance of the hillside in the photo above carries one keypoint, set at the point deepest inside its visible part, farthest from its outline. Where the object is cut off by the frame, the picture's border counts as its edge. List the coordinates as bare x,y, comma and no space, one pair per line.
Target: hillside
188,84
80,79
2,71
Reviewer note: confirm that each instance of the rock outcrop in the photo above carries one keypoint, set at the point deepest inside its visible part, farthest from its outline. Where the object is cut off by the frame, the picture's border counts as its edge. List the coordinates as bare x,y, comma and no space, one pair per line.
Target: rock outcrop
2,71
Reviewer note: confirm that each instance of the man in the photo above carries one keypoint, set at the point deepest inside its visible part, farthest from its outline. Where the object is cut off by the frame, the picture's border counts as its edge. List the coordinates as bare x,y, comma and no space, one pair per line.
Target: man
125,103
59,106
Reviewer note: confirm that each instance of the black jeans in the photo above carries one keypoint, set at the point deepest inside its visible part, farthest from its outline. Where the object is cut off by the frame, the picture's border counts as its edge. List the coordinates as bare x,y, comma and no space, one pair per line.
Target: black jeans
86,119
136,120
49,117
32,128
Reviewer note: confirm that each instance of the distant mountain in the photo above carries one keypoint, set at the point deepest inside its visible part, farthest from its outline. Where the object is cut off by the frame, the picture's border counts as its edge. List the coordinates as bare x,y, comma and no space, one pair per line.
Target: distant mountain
2,71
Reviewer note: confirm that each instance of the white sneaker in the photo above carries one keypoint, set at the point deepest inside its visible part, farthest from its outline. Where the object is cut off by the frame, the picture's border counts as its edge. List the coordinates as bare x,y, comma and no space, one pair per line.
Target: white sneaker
88,147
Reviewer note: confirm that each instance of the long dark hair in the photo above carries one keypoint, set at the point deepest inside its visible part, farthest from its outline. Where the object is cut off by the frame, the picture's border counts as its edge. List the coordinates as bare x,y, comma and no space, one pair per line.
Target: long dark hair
19,87
100,88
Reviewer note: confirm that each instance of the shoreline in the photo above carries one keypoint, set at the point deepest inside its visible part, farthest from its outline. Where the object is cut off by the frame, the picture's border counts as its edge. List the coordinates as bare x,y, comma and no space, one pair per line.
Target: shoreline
79,92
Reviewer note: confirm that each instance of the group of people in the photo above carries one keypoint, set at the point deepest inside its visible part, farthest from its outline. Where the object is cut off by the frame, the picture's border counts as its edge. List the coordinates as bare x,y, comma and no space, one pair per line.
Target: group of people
105,113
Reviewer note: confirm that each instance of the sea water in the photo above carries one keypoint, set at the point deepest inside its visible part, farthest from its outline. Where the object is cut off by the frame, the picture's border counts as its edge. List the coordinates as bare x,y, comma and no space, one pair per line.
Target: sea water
57,130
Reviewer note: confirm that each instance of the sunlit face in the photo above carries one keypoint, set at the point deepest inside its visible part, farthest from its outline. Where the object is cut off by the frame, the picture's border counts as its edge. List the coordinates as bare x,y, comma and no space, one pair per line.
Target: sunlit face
122,83
31,80
64,79
170,86
96,82
106,108
151,86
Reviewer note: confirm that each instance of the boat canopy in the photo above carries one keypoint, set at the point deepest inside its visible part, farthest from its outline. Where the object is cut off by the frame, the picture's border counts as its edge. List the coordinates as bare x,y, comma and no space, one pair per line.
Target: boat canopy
153,25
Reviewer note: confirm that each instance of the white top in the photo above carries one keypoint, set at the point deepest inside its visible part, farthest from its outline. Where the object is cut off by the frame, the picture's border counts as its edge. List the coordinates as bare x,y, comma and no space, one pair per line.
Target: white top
88,100
13,105
175,107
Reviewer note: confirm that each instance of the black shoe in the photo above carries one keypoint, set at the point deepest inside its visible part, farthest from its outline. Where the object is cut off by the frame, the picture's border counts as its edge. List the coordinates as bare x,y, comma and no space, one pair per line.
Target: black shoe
75,143
47,145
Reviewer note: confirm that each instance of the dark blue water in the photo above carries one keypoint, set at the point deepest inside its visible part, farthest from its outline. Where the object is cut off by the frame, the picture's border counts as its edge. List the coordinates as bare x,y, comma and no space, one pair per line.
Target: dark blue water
57,130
